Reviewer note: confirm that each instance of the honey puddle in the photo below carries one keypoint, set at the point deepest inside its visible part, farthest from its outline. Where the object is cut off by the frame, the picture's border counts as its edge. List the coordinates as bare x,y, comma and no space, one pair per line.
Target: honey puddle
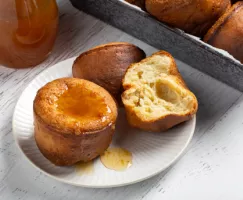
92,106
82,168
117,159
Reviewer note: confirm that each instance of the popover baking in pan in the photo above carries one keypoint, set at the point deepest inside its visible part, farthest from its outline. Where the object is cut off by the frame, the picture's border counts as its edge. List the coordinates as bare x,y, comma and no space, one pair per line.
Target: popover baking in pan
74,120
156,98
106,65
192,16
227,32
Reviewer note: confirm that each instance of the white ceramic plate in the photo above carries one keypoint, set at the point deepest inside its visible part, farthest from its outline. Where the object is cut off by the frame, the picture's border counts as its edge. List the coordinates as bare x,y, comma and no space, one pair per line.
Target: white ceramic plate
152,152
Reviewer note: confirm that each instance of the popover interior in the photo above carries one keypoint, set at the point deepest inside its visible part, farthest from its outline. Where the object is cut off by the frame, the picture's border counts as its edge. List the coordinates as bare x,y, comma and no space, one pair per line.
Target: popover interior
156,98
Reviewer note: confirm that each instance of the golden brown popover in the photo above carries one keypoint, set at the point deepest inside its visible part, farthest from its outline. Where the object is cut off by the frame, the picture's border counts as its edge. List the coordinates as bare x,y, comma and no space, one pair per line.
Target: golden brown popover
74,120
227,32
106,65
192,16
156,98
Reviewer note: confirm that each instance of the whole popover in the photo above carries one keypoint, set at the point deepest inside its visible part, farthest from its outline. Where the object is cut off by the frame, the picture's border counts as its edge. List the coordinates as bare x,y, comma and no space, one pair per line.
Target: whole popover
192,16
74,120
227,32
106,65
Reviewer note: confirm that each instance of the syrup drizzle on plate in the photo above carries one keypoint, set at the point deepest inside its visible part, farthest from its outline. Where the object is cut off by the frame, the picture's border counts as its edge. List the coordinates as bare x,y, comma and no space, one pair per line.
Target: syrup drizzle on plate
117,159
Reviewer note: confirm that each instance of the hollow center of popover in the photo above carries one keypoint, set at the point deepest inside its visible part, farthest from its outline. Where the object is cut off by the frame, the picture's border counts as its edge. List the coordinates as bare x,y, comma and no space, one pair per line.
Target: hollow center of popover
81,103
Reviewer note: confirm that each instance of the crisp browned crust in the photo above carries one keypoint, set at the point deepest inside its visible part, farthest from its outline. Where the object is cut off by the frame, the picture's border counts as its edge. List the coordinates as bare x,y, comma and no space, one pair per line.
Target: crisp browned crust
63,139
165,122
160,125
106,65
192,16
227,32
45,107
64,150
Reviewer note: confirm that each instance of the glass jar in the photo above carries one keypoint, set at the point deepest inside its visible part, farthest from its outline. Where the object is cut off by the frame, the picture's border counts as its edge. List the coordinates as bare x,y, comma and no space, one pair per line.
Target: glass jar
28,31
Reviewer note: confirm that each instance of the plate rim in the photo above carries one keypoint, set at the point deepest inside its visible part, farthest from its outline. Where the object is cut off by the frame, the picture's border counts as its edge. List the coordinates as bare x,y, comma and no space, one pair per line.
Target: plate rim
177,157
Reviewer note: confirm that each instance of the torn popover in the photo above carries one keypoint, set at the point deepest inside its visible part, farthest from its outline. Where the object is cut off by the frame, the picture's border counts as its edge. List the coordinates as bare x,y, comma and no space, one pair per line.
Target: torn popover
74,120
156,98
106,65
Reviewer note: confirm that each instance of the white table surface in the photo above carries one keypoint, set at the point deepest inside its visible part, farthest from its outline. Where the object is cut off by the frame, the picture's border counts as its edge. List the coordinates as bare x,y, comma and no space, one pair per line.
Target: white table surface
212,167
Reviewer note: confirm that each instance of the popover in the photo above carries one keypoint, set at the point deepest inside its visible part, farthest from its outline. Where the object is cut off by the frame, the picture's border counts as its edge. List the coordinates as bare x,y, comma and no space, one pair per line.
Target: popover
192,16
227,32
156,97
106,65
74,120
